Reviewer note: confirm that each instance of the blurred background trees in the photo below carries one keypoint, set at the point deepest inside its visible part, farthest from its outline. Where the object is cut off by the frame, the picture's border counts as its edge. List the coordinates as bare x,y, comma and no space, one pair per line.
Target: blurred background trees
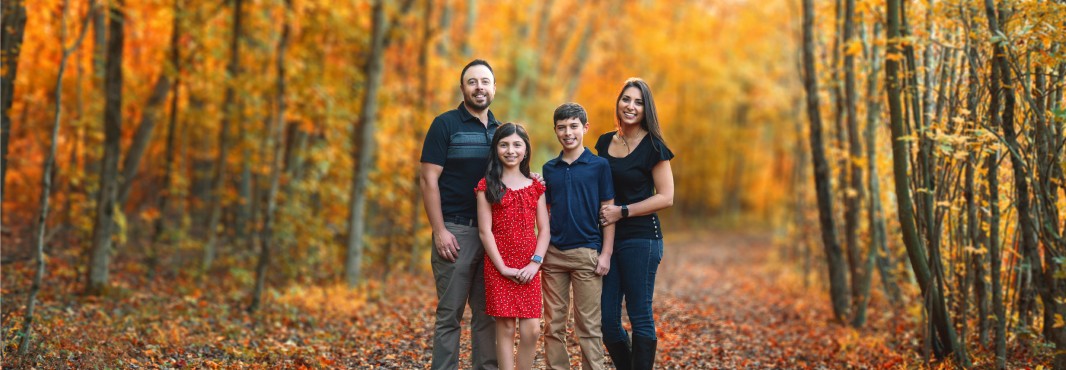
211,143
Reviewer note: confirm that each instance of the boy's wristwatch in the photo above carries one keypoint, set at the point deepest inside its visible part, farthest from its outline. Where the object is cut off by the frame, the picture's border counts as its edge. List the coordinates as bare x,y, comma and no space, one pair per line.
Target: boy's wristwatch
537,259
625,211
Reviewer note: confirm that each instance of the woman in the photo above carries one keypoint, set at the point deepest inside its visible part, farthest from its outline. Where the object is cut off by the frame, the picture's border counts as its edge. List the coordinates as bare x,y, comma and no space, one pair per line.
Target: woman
643,184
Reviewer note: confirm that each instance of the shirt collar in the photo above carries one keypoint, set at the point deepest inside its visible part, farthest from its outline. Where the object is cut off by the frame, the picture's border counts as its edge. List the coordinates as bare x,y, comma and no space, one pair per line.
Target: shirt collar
465,115
585,157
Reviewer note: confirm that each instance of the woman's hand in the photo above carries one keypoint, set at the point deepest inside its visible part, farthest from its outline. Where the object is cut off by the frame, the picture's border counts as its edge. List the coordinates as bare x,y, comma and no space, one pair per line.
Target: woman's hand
609,214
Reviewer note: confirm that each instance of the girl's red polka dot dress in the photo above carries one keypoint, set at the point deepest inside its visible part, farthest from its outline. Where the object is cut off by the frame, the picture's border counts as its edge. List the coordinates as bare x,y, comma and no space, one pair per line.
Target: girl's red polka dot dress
513,223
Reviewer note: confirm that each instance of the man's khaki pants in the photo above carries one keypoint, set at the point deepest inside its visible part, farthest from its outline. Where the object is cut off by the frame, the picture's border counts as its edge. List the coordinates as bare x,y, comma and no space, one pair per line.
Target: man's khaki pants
561,270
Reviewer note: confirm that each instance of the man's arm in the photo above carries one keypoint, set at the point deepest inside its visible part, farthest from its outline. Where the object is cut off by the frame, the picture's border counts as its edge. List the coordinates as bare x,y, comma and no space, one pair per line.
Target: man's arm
443,240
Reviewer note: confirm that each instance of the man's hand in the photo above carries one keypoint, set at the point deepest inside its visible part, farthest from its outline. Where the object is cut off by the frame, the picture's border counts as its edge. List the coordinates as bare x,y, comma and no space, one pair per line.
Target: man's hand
537,177
446,244
603,264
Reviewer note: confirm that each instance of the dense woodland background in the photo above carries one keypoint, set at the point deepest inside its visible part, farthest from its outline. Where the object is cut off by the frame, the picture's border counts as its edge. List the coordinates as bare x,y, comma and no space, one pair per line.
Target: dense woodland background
255,155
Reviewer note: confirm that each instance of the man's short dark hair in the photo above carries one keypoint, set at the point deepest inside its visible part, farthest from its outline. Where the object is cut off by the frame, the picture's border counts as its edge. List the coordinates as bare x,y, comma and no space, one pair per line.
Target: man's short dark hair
570,110
475,62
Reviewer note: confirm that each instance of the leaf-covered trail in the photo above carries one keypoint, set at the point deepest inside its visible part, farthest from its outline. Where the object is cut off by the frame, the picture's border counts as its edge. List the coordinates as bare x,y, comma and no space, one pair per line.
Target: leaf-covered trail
720,303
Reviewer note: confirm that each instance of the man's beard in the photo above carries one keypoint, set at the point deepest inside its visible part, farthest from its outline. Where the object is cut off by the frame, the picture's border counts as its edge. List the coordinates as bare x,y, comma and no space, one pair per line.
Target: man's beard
473,105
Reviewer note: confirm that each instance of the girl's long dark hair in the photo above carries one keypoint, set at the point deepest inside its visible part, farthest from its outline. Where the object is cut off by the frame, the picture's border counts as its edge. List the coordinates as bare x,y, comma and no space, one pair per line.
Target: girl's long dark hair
651,118
495,189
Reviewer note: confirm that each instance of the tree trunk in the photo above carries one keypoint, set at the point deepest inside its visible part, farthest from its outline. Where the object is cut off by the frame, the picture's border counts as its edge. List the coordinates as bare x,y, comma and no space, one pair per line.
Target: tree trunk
878,250
992,165
528,64
944,333
834,255
100,260
445,29
975,234
977,258
853,198
1004,85
230,112
246,199
423,114
1047,170
364,148
143,136
468,28
46,178
840,131
266,238
580,60
100,42
14,27
159,224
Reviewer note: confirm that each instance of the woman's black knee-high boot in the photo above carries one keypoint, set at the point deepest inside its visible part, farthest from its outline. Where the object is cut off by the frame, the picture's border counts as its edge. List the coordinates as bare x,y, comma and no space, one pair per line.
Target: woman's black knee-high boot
643,353
620,354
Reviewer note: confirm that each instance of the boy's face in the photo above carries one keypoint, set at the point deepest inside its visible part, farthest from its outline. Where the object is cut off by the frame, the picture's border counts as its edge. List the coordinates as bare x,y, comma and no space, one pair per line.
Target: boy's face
571,133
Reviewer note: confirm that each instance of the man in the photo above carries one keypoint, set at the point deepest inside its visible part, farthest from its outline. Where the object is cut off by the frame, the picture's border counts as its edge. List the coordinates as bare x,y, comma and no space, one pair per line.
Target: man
579,255
454,157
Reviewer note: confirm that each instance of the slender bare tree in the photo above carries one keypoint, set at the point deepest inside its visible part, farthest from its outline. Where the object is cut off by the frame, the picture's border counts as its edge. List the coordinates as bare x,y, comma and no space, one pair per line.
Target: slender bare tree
838,283
49,170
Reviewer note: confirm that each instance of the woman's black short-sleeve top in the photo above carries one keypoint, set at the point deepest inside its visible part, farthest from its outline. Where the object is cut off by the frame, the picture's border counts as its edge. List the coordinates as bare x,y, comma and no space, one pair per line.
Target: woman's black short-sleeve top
633,182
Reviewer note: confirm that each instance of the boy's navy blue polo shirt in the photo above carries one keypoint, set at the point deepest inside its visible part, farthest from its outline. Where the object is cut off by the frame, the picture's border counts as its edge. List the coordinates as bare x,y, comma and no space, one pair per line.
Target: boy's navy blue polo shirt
459,142
574,193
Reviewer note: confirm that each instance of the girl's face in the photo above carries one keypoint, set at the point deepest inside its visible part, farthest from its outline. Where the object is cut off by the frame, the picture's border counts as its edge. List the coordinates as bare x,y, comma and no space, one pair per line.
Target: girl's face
631,106
511,150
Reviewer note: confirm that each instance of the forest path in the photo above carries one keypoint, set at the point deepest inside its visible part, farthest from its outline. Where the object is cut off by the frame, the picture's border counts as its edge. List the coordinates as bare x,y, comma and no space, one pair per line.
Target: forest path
722,302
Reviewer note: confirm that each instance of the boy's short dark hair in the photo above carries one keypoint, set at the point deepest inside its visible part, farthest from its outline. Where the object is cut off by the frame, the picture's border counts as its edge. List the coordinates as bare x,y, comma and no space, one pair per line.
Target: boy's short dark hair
570,110
475,62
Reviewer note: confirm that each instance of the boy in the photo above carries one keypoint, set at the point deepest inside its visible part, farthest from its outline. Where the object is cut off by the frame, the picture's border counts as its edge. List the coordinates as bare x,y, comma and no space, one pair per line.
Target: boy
578,183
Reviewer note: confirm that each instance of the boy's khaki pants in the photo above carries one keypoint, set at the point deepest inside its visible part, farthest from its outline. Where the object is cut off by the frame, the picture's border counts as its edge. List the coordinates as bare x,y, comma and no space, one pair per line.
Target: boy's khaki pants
561,270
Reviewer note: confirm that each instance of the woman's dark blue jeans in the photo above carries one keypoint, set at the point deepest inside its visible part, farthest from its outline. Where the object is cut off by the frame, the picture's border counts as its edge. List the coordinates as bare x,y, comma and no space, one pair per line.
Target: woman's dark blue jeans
632,277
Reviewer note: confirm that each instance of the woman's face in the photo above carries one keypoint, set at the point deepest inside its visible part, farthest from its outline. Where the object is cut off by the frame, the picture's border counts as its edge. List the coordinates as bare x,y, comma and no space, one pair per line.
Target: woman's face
631,106
511,150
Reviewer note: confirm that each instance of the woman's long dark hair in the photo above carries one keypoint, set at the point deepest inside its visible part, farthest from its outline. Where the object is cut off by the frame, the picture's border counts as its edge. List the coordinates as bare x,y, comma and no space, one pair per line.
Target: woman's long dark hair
651,118
495,189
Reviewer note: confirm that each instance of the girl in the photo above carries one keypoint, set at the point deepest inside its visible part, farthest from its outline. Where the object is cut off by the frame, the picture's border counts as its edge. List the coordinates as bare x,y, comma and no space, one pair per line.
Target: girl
509,204
643,185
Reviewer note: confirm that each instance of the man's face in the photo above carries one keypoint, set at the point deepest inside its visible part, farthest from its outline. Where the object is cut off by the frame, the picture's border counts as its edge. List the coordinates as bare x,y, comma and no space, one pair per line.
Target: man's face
479,87
571,133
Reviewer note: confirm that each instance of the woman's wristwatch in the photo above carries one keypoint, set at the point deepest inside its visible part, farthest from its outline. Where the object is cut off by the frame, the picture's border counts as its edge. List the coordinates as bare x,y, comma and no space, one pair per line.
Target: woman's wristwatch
537,259
625,211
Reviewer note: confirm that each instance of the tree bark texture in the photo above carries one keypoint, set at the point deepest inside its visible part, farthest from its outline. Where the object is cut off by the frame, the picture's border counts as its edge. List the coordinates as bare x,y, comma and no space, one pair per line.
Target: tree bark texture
266,239
230,113
363,153
13,29
834,255
46,183
944,333
106,206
